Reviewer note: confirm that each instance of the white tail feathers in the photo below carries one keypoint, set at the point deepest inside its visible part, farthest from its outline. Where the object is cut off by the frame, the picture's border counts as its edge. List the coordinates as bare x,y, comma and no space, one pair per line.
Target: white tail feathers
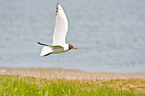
46,50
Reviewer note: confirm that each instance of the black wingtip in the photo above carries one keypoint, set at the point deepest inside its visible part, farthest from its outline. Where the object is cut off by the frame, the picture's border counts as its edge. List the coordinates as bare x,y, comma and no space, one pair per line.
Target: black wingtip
57,4
40,43
57,8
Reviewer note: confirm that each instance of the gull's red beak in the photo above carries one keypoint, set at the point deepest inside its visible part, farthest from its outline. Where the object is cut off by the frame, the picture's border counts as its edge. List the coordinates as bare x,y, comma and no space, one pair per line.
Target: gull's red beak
75,48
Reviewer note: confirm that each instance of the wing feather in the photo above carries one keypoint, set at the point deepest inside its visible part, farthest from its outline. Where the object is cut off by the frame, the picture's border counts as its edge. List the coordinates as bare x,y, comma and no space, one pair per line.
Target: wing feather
61,26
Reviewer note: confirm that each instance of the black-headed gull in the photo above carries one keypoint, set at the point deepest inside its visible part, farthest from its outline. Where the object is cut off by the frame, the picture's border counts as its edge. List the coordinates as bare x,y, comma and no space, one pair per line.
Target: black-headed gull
61,27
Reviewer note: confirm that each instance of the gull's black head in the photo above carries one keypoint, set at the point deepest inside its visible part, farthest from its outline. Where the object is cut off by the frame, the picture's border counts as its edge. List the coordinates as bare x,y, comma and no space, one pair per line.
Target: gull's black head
71,47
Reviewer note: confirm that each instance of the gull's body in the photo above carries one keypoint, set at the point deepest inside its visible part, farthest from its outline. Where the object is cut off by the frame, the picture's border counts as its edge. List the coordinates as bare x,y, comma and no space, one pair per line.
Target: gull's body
61,27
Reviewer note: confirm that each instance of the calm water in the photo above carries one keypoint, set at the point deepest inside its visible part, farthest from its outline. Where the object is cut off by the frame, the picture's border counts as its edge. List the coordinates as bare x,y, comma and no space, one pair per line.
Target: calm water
109,34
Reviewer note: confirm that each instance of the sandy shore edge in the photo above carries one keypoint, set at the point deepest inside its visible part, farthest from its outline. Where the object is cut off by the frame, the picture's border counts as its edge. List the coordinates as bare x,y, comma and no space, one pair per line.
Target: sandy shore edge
69,74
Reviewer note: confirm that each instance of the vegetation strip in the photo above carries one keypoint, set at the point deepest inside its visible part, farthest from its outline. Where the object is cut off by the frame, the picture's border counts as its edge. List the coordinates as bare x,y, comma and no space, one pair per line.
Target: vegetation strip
30,86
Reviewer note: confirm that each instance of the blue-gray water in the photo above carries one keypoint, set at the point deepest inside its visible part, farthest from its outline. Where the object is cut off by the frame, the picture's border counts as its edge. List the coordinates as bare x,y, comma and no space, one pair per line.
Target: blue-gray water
109,34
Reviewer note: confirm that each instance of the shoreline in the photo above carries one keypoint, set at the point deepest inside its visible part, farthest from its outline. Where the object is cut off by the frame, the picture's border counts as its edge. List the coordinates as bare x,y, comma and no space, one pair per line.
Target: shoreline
61,73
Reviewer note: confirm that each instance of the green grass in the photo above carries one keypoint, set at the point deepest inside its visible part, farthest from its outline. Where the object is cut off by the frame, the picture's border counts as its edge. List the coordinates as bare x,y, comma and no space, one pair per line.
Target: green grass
30,86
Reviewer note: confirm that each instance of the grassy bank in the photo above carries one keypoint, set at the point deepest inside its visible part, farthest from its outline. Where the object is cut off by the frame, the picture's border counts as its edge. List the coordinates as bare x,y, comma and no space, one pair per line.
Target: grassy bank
30,86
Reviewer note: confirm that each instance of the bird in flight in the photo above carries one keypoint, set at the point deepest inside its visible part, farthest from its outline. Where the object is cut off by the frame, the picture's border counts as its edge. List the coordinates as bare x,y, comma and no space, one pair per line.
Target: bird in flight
61,27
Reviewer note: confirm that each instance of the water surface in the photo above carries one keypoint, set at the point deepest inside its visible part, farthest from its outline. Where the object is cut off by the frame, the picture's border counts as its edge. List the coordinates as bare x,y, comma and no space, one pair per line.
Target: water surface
110,35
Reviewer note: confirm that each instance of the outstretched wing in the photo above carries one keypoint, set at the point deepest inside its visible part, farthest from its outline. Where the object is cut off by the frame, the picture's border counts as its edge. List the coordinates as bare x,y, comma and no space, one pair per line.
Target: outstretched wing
61,27
43,44
49,49
53,46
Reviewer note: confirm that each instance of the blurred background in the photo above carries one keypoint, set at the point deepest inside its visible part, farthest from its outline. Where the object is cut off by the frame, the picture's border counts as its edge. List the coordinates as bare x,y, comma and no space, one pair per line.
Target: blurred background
109,34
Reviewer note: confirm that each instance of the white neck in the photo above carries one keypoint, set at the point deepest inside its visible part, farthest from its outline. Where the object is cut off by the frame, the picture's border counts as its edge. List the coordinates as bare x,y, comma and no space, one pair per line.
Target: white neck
65,46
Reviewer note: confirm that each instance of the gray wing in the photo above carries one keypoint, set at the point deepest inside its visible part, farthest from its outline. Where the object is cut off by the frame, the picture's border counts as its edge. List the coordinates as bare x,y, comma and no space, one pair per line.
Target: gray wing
43,44
54,47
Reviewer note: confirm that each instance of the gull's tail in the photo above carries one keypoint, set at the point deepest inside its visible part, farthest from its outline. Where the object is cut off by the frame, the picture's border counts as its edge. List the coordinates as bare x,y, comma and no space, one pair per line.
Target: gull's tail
46,50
